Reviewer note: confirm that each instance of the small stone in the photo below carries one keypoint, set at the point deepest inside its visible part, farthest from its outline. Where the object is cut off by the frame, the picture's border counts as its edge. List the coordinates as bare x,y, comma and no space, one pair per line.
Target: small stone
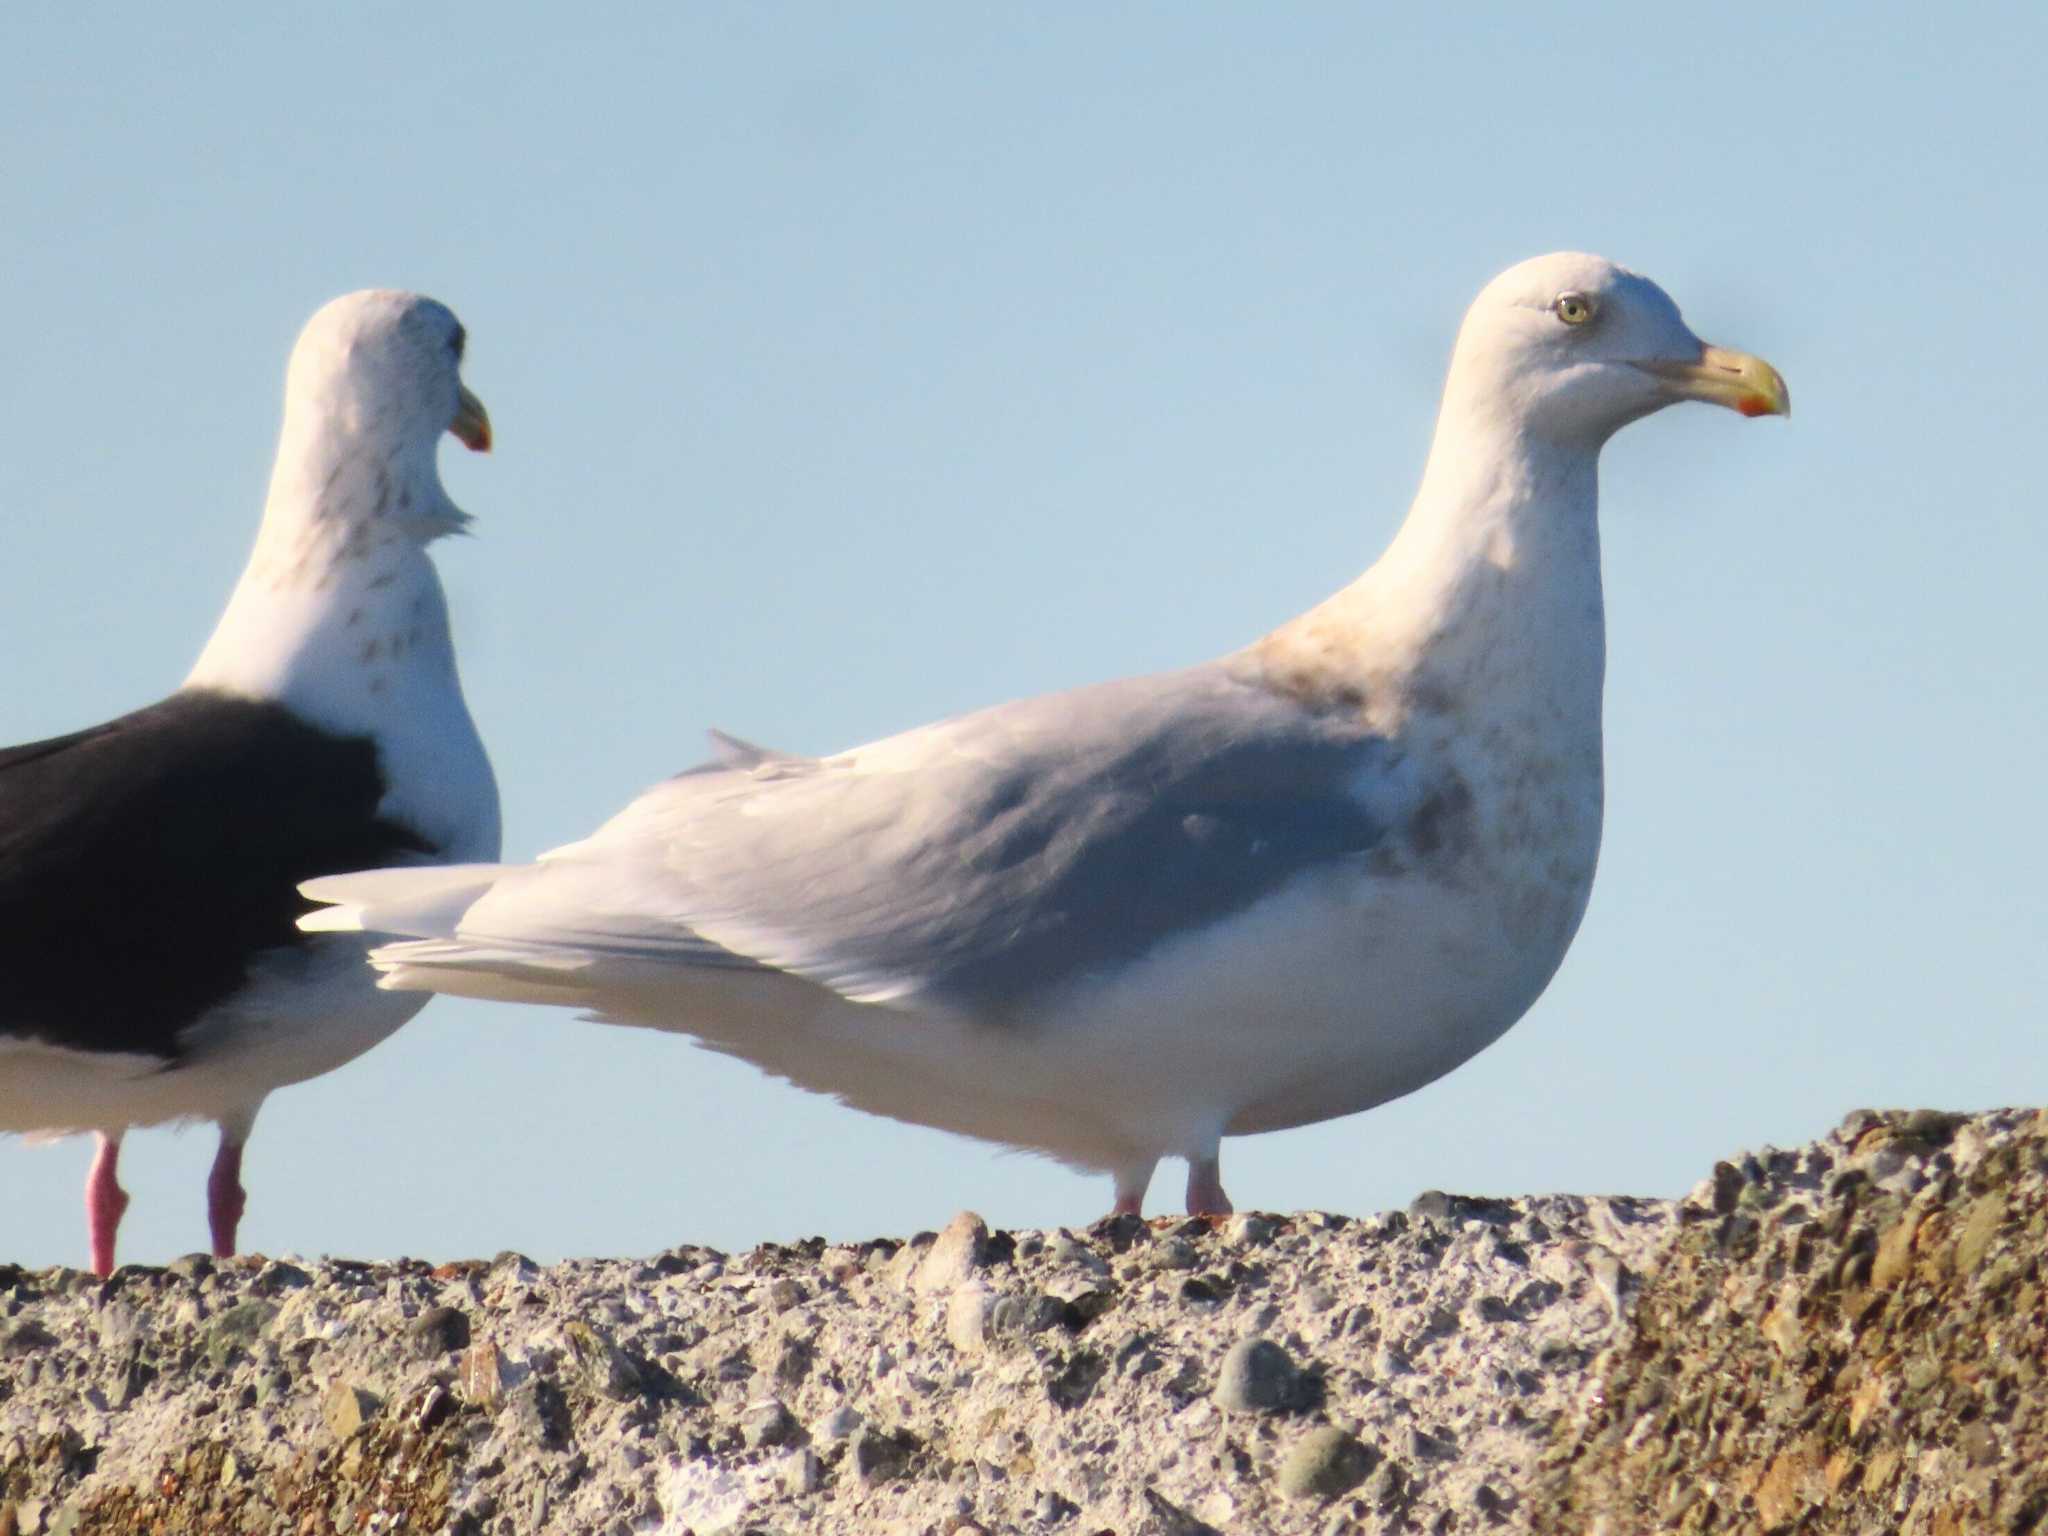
878,1457
767,1422
1071,1384
1172,1253
347,1408
25,1338
439,1330
1074,1301
1437,1447
1017,1317
1065,1248
1051,1509
1257,1377
1326,1462
967,1318
1781,1327
956,1253
484,1377
278,1276
1387,1489
1979,1442
838,1424
536,1413
1430,1205
1934,1126
437,1405
792,1360
1248,1229
235,1331
608,1369
801,1474
1987,1214
511,1264
130,1376
1895,1252
1164,1517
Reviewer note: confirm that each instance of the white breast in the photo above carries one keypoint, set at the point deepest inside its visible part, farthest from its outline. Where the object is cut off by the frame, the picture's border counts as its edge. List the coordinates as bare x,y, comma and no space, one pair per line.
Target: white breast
362,647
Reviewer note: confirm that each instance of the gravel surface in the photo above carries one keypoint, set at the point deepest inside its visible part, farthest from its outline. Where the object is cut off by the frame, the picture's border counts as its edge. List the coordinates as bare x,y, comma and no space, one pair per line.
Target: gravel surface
1554,1363
1850,1338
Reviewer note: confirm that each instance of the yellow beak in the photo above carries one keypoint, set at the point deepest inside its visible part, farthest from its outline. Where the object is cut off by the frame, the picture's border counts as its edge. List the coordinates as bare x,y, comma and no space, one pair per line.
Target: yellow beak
1723,376
472,423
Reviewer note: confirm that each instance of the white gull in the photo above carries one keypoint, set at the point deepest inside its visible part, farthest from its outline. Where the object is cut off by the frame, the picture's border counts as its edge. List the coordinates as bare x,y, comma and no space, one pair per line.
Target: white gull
1123,922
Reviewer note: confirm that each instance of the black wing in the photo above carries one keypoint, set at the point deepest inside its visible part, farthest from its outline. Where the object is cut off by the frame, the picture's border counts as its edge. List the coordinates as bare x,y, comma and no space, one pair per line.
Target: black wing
145,862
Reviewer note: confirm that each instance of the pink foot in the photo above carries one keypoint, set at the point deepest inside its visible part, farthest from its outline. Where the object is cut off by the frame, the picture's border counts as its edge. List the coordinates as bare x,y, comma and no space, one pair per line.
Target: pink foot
105,1200
225,1197
1205,1188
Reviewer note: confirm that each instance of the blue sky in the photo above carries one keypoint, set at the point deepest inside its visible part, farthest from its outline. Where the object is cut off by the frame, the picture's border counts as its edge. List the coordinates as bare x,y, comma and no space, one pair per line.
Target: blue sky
852,367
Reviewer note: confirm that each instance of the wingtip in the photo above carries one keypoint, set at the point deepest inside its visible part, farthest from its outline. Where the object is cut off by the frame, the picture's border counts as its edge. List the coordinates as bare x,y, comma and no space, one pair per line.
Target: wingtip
338,919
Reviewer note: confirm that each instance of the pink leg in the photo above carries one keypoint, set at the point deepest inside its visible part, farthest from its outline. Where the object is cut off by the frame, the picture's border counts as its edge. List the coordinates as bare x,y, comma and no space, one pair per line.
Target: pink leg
105,1200
1205,1188
225,1197
1131,1184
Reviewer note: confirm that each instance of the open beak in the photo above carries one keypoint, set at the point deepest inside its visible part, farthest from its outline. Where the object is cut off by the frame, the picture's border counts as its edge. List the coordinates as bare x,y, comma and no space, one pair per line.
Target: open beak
1726,377
472,423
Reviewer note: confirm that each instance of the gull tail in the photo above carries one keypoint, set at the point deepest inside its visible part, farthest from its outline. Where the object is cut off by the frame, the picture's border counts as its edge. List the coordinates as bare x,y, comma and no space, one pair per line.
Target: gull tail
431,913
422,902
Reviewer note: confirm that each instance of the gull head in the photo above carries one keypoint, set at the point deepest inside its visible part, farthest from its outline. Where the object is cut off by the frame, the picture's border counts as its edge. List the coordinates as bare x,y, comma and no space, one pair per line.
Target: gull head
1572,348
374,380
385,368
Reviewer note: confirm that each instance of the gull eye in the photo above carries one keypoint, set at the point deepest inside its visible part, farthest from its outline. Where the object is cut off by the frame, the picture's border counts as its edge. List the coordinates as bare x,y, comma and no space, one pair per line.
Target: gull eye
1573,308
458,341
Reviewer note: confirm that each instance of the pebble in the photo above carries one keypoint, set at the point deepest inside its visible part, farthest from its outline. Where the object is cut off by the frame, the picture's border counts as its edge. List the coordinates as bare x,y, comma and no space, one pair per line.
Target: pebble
608,1368
1325,1463
878,1457
441,1330
768,1423
1248,1229
957,1252
235,1330
347,1407
967,1318
837,1425
1172,1253
1257,1376
801,1474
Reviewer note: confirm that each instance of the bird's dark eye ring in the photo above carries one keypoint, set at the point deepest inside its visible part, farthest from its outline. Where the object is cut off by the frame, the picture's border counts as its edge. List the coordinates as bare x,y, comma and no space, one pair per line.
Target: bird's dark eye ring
1573,308
459,341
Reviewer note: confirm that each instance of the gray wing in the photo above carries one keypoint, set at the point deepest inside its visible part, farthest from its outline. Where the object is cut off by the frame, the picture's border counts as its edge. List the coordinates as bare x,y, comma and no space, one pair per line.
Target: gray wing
1016,849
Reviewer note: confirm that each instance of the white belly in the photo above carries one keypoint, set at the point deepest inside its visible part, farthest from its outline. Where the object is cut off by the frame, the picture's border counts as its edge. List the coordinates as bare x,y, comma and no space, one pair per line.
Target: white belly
305,1012
1331,996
